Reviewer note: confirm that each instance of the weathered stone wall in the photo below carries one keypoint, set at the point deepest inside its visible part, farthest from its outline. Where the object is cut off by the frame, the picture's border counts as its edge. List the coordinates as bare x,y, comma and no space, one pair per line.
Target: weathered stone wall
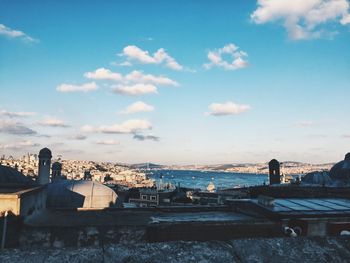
277,250
59,237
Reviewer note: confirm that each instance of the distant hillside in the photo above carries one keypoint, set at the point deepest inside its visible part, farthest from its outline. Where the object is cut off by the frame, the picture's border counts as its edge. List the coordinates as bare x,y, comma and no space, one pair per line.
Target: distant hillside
146,165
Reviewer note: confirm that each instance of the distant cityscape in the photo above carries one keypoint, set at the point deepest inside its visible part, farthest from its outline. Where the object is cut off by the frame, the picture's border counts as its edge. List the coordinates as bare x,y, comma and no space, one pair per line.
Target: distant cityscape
131,175
76,170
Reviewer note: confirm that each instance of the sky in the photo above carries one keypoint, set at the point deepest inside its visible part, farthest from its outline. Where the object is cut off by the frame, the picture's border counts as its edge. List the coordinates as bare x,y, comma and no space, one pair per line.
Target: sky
176,82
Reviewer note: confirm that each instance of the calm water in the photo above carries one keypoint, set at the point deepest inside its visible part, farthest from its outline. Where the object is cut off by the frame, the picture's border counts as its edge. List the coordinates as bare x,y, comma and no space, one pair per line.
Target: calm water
198,179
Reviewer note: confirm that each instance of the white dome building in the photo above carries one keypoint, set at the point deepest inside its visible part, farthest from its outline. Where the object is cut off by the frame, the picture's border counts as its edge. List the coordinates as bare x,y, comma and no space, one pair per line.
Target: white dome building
80,194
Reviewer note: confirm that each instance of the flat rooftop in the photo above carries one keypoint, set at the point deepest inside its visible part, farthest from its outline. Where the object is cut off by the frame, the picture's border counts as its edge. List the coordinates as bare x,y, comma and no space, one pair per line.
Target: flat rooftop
131,217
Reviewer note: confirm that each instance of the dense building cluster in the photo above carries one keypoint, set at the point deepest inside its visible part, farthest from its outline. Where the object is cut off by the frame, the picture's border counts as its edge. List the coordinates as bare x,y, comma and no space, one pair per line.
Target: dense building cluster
76,170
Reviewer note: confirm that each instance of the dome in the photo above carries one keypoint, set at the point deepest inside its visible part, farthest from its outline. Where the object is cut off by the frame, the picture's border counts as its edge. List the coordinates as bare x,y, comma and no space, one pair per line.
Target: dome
11,177
45,153
274,162
75,194
340,172
317,178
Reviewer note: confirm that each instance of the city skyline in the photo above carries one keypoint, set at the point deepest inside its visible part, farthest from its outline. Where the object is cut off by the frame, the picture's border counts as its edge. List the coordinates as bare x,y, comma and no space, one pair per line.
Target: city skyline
183,82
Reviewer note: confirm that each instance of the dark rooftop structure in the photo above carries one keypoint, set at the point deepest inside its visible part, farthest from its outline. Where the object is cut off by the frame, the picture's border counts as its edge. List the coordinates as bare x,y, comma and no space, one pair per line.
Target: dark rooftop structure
10,177
340,172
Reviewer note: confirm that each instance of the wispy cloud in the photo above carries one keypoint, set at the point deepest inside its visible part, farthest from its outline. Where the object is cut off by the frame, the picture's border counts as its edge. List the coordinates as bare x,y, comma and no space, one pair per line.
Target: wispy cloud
107,142
136,54
19,145
138,106
135,90
305,123
86,87
16,114
15,128
227,108
237,61
141,137
52,122
79,137
302,19
129,126
12,33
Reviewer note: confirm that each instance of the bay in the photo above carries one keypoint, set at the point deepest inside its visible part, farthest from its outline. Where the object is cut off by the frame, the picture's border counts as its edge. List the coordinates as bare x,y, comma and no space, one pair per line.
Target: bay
201,179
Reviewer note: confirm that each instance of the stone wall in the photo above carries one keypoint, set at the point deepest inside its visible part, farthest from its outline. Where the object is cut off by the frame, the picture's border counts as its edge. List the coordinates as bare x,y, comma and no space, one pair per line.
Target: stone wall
277,250
59,237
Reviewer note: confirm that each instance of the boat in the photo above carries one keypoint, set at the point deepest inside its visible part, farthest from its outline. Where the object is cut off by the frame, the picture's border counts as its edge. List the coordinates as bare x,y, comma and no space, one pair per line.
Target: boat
211,187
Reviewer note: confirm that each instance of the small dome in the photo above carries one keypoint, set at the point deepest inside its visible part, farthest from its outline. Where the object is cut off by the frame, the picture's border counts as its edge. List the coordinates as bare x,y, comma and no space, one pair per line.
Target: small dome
56,166
317,178
274,162
45,153
77,194
11,177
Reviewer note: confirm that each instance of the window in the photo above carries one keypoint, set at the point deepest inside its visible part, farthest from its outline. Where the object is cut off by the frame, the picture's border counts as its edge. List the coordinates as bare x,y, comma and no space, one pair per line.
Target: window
144,197
153,198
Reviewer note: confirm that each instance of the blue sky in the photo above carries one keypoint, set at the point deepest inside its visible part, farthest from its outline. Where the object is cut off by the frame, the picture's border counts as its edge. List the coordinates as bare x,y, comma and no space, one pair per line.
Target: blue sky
224,82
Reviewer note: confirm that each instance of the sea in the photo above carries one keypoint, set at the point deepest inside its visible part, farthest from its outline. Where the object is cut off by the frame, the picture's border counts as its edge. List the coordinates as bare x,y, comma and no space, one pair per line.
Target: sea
201,179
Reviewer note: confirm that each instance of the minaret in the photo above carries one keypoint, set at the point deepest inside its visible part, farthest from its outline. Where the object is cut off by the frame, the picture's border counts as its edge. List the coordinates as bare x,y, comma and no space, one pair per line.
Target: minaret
44,166
56,171
274,171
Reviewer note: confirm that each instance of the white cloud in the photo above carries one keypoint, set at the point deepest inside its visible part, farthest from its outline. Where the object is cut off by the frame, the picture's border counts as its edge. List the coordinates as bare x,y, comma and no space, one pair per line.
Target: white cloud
103,74
52,122
302,19
86,87
216,58
11,33
107,142
135,90
227,108
134,53
16,114
138,106
139,77
19,145
345,20
129,126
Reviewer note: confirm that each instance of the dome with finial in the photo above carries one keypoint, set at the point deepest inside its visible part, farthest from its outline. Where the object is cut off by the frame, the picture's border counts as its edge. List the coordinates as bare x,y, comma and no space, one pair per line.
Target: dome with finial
45,153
